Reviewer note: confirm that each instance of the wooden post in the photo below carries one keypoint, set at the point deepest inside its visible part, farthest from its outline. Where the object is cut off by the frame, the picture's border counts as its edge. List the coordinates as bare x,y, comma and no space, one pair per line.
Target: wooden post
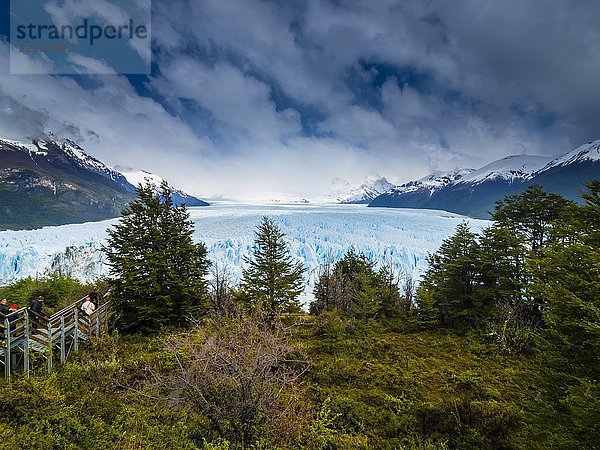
76,332
7,349
26,345
63,355
97,325
50,345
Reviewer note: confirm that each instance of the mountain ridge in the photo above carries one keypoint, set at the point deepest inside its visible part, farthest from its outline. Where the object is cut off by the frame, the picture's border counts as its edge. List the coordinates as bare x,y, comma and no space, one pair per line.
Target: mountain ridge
475,192
341,191
139,176
55,182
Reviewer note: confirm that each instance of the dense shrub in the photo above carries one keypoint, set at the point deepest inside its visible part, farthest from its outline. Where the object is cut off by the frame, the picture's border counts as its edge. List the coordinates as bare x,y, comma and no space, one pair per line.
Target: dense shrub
57,291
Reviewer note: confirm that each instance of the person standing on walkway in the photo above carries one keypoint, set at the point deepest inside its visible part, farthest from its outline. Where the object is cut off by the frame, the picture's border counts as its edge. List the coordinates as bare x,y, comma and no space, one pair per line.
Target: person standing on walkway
95,297
15,317
88,307
36,306
4,311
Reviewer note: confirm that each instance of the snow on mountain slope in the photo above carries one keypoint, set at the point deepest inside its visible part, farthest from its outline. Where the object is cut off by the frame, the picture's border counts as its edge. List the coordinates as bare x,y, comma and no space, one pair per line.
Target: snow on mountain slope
315,233
28,146
64,148
76,153
583,153
339,188
511,168
138,176
341,191
433,181
367,191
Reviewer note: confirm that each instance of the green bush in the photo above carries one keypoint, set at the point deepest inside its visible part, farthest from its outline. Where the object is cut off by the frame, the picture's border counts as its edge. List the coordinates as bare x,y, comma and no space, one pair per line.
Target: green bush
57,291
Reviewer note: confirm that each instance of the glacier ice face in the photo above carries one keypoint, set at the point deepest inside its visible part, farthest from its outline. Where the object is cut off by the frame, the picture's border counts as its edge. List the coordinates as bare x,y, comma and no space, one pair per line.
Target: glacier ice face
315,233
73,250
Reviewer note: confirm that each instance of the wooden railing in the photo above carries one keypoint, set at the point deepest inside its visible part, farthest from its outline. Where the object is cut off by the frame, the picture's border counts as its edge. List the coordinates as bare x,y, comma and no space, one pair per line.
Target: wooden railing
26,331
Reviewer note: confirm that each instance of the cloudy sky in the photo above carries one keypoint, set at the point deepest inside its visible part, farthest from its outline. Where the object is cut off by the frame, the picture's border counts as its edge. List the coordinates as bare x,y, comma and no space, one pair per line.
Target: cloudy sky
250,96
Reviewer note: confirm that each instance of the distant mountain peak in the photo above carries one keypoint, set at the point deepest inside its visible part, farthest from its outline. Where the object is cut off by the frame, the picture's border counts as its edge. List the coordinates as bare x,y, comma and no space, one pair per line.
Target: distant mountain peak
511,168
139,176
433,181
341,191
585,152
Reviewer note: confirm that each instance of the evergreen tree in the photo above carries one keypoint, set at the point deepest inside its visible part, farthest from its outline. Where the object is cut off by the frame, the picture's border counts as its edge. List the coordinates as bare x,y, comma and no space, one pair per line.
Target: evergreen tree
569,281
327,289
426,314
354,288
158,271
449,284
388,292
502,267
272,279
366,301
349,271
533,214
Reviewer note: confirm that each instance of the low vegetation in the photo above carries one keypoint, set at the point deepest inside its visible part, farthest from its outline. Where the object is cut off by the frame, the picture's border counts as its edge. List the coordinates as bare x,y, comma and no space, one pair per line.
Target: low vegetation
58,291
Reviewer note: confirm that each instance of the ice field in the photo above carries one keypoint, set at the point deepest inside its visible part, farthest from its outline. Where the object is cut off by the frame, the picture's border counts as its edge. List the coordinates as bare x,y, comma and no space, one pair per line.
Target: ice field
315,233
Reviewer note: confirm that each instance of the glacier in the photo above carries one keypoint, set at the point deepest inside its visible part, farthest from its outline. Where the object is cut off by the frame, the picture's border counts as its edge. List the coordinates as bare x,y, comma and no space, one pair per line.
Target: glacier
316,233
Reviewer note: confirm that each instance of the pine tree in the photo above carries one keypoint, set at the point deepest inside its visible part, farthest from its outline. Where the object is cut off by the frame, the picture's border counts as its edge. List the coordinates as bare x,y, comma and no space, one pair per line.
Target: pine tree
272,279
325,290
426,314
534,214
348,271
158,271
449,284
388,291
503,274
569,281
366,301
339,284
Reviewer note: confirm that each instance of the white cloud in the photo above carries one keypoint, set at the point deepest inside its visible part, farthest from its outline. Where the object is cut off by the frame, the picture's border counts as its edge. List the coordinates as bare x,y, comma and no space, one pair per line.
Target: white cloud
239,103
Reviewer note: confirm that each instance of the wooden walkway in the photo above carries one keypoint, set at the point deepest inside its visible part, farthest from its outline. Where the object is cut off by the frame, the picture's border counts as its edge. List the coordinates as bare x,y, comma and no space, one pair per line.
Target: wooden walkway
51,337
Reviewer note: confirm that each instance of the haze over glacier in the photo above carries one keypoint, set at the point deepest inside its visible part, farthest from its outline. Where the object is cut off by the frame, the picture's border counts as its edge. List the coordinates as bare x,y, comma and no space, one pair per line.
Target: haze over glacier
315,233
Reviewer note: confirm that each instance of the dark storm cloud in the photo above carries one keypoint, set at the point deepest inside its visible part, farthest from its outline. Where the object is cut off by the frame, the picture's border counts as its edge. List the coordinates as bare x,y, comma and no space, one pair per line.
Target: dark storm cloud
293,93
536,54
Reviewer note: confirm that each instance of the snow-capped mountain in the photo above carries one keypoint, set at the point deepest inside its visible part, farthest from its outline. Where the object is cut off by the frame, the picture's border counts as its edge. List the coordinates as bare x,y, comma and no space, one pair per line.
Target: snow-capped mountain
138,176
512,169
583,154
341,191
475,192
50,182
54,182
432,182
61,152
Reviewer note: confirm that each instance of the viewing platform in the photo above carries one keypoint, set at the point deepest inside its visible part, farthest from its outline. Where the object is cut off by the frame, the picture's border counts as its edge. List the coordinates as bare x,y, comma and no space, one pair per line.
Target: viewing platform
25,332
